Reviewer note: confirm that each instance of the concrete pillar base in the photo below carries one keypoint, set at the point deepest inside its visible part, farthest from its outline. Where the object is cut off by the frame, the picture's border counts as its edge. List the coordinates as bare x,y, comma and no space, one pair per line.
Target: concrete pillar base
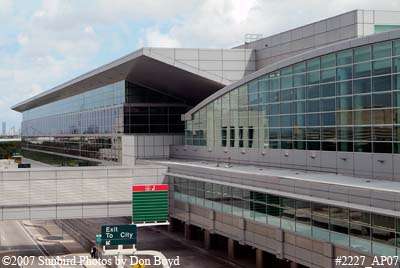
208,240
259,258
231,248
187,231
171,224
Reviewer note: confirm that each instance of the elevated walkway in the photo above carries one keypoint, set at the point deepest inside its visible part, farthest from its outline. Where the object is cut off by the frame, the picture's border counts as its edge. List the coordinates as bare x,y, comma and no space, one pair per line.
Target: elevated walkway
73,192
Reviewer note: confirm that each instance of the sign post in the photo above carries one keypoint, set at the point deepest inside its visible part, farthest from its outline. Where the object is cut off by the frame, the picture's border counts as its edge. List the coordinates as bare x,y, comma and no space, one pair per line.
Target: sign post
98,238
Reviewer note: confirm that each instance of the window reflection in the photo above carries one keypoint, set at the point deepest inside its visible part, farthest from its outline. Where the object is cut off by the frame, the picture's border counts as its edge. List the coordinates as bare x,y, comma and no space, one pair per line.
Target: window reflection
361,230
352,87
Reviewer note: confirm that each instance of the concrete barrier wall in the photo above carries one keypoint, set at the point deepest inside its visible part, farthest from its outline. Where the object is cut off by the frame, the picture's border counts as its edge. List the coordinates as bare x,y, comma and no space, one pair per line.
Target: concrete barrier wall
367,165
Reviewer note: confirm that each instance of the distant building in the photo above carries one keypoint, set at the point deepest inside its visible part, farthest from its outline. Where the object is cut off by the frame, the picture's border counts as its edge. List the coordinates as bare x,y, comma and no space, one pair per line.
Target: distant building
3,128
12,131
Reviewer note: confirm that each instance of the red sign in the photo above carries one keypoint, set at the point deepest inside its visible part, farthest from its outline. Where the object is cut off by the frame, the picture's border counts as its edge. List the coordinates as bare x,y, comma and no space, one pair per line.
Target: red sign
150,188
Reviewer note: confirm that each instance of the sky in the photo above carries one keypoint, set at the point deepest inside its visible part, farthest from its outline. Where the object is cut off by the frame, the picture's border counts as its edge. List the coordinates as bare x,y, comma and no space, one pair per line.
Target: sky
44,43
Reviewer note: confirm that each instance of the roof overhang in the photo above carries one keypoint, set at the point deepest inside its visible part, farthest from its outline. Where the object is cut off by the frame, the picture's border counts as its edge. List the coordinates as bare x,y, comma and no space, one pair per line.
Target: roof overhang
143,67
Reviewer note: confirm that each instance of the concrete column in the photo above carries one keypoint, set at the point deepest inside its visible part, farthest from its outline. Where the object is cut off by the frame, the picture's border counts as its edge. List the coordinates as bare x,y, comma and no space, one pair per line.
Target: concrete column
187,231
231,248
259,258
293,264
171,224
208,240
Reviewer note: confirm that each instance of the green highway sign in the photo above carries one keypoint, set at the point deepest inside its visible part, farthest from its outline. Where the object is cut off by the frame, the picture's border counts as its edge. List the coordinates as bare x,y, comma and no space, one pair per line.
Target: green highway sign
118,235
98,238
150,203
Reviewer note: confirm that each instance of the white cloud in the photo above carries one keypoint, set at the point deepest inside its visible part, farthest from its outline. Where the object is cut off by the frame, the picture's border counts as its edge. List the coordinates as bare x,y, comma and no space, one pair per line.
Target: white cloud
22,39
39,13
88,29
5,7
157,39
45,53
241,9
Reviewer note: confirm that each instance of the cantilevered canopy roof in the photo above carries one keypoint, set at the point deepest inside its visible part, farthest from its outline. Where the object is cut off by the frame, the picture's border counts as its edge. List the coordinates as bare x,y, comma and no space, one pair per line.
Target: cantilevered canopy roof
144,67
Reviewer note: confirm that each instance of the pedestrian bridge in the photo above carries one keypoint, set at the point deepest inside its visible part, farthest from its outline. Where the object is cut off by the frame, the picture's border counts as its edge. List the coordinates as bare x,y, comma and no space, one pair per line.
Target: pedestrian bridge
72,192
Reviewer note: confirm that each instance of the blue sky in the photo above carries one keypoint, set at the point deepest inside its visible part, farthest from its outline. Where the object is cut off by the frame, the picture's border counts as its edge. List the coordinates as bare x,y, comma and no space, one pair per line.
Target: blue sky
44,43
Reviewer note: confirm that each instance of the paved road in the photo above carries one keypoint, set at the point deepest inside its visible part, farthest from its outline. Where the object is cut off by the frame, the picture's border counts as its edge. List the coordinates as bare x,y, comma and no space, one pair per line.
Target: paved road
153,239
19,240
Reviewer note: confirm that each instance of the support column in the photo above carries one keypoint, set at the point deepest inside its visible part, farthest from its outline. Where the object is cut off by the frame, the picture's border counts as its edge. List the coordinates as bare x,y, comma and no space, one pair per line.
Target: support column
208,240
231,248
293,264
259,258
171,224
187,231
329,255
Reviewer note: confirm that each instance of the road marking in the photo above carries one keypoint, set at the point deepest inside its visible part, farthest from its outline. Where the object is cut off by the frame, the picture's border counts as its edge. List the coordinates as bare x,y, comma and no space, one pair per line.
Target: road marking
45,253
36,244
2,238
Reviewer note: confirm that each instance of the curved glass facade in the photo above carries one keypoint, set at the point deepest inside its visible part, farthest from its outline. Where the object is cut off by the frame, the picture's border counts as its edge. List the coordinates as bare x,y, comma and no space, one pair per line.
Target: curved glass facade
344,101
360,230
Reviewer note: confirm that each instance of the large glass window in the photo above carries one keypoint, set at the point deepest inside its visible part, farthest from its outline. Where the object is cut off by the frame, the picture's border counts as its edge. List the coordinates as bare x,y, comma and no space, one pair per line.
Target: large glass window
362,69
357,229
344,57
382,50
353,91
380,67
328,61
362,54
362,86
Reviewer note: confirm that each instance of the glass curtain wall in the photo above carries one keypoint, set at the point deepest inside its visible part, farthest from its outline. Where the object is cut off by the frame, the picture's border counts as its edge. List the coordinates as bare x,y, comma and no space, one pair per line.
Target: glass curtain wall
360,230
91,124
345,101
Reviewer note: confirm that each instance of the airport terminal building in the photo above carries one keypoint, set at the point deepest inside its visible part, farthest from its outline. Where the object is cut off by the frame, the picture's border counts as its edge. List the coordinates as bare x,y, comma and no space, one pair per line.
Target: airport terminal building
289,144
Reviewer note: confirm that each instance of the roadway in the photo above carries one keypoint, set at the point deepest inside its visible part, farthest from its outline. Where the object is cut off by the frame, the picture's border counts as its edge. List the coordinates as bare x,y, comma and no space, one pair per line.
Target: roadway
20,240
149,238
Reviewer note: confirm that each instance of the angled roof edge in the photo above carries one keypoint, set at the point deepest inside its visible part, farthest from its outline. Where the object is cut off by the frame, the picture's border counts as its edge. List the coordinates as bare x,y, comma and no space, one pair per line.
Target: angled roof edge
143,52
342,45
86,75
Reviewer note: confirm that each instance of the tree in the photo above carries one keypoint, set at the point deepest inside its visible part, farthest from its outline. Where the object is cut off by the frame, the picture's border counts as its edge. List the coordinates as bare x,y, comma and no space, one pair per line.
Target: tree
7,149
